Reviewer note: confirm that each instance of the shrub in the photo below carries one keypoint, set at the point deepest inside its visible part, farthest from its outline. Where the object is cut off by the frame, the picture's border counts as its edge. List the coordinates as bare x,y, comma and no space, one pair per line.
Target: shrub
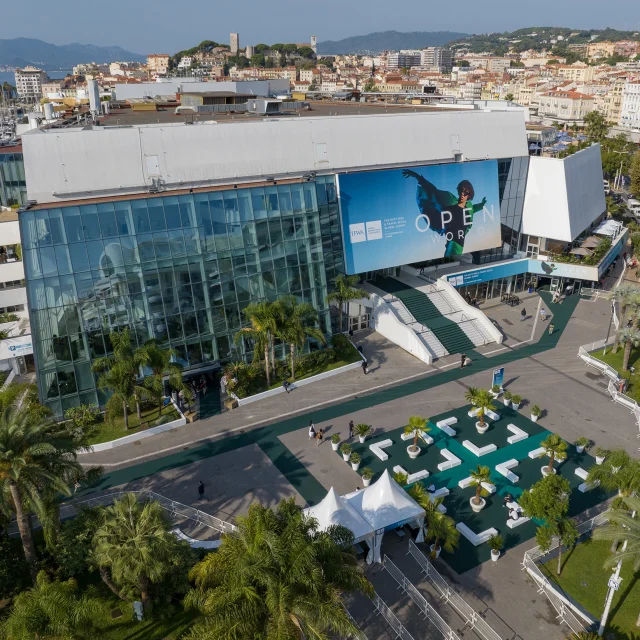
507,395
495,542
14,571
82,416
335,438
345,449
495,388
602,453
583,442
362,429
355,458
401,478
516,399
536,411
367,473
169,417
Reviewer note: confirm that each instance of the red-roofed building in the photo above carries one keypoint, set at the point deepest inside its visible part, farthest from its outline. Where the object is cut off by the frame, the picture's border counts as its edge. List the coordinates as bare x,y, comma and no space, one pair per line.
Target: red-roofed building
565,106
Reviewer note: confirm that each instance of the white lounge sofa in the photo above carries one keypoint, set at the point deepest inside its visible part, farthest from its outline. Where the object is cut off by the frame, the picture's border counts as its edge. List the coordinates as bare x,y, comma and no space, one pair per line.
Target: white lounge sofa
377,449
451,460
479,451
518,434
504,469
475,538
445,425
466,482
537,453
424,437
411,477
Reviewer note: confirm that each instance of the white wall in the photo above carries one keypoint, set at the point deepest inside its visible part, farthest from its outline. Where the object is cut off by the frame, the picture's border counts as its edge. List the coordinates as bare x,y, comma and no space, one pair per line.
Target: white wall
10,232
563,196
61,164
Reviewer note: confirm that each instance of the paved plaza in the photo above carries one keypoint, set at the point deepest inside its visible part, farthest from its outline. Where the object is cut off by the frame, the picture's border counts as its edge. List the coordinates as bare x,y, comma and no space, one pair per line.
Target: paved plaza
262,451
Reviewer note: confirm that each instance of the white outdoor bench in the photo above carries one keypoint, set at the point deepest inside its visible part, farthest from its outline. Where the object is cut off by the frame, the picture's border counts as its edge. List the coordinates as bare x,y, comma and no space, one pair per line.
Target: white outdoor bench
466,482
411,477
475,538
409,436
493,415
479,451
512,524
472,413
196,544
518,434
377,449
445,425
452,461
442,492
537,453
504,469
585,486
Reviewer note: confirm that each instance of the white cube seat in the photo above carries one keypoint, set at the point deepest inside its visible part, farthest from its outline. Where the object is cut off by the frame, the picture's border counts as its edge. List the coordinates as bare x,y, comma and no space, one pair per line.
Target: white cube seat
475,538
377,449
479,451
451,460
518,434
581,473
504,469
537,453
512,524
585,486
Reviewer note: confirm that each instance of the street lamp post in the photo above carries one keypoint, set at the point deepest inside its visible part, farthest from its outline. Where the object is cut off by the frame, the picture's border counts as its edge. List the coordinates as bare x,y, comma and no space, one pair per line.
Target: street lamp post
613,310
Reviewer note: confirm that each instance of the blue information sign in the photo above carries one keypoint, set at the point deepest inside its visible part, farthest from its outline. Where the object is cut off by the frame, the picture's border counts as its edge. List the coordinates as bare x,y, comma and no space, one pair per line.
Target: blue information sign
498,377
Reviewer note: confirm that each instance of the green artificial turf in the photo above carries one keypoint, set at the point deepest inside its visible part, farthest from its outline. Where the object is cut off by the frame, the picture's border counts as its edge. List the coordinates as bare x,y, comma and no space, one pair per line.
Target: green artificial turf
615,360
584,579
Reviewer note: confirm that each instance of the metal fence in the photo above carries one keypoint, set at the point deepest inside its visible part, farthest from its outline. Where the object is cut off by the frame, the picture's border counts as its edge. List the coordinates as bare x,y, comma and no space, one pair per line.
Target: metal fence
471,617
430,613
391,619
566,610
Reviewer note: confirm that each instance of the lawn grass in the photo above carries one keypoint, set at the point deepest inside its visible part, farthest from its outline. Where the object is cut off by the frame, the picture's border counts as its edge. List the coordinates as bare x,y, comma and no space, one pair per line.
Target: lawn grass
615,360
128,628
330,367
106,431
584,579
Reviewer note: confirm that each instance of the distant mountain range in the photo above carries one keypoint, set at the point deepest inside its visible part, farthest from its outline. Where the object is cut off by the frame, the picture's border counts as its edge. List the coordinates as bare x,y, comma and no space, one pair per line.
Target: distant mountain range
20,52
391,40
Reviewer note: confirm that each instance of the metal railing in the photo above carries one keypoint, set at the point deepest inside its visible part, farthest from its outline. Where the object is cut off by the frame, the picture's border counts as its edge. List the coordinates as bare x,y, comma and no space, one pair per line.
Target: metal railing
566,610
359,635
430,613
390,617
471,617
473,323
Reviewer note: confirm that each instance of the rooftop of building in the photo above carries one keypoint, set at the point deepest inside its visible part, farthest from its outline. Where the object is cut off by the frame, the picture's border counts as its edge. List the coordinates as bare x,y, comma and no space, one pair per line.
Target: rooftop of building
8,215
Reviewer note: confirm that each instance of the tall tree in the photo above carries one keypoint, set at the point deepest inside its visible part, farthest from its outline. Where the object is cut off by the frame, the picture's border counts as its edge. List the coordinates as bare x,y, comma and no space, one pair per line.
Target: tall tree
296,322
262,327
596,126
345,290
634,174
623,296
619,472
555,447
417,428
134,544
33,455
629,337
479,476
55,610
279,577
482,400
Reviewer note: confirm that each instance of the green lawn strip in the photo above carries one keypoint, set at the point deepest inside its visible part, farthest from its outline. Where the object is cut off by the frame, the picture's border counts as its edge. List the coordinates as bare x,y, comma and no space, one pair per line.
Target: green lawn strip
315,372
106,431
128,628
584,580
615,360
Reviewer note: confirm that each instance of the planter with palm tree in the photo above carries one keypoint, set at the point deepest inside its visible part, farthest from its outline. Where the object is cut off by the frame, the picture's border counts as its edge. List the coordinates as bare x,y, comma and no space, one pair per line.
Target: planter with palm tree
367,474
296,322
515,401
496,390
345,290
355,459
345,450
444,535
495,544
335,441
582,443
483,402
536,412
363,430
629,337
601,455
417,428
479,476
556,448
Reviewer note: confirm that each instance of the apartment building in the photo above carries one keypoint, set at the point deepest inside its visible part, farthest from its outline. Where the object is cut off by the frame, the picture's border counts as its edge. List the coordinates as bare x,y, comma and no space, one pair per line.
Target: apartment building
630,110
596,50
402,59
578,72
158,64
565,106
29,83
437,58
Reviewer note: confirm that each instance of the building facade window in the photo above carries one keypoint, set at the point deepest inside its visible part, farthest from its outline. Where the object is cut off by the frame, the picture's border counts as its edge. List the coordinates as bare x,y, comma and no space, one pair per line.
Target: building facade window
13,187
177,268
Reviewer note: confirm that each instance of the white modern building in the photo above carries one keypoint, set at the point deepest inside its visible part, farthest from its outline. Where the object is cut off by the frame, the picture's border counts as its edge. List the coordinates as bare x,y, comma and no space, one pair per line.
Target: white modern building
630,112
402,59
437,58
29,83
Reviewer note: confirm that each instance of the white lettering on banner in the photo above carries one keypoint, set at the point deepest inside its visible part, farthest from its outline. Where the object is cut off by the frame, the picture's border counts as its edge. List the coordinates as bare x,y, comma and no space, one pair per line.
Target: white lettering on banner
426,219
442,216
374,230
467,216
356,232
486,212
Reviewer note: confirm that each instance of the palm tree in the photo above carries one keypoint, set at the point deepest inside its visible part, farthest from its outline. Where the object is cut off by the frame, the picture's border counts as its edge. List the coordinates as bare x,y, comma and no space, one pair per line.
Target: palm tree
444,534
417,428
8,317
478,476
135,545
262,320
161,362
119,381
345,290
278,577
33,455
427,502
556,449
563,529
629,337
296,323
622,295
618,472
55,610
482,400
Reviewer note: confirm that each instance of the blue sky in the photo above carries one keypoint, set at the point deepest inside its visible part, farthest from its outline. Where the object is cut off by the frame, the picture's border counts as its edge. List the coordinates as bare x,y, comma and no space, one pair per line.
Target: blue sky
146,26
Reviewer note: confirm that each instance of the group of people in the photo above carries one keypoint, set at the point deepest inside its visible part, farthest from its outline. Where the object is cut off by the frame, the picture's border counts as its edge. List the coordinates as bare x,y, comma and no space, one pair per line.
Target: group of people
318,435
511,504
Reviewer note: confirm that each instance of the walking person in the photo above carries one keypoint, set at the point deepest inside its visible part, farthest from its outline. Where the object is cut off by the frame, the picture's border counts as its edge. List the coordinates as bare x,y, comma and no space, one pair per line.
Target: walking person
319,438
523,315
551,329
364,367
286,385
463,357
543,314
350,429
200,490
312,430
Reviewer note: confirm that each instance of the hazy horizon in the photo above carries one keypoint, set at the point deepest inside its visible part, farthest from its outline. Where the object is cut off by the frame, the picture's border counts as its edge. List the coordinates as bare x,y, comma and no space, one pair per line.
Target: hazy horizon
162,26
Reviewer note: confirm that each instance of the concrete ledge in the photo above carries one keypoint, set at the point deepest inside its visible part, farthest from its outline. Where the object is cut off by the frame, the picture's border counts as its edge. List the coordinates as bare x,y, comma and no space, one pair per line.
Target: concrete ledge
451,460
411,477
479,451
504,469
377,449
196,544
475,538
537,453
445,425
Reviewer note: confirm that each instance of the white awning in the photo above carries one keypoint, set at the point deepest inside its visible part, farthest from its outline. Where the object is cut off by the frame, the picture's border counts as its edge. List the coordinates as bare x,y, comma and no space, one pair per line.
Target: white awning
609,228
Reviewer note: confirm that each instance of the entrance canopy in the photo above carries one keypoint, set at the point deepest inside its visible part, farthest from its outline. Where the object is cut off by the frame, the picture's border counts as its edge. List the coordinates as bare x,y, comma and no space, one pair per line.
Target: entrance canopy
609,228
334,509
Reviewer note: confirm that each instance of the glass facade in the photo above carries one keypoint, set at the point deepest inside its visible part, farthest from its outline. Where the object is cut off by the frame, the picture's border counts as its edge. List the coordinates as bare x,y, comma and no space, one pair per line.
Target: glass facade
178,268
13,187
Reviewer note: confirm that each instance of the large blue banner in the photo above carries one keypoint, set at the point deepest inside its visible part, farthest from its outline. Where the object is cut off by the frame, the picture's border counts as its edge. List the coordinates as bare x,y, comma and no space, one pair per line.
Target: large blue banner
401,216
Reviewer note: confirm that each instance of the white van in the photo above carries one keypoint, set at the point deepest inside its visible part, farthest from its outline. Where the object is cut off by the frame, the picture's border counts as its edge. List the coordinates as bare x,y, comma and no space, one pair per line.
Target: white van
634,207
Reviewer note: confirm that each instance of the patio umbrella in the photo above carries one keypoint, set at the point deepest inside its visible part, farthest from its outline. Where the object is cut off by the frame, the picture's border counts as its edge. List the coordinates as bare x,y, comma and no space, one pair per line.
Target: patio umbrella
591,243
580,251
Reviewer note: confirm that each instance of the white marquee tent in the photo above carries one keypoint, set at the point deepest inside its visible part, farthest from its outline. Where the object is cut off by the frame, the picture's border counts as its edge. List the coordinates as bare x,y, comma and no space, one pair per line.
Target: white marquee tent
334,509
385,505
